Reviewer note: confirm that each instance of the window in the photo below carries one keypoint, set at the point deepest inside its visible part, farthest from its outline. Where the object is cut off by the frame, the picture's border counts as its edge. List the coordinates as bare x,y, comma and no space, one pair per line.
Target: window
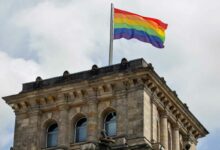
52,133
110,124
81,130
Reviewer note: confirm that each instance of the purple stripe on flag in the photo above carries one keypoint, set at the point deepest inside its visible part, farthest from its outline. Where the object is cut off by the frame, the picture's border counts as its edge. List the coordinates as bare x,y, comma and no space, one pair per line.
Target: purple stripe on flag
139,35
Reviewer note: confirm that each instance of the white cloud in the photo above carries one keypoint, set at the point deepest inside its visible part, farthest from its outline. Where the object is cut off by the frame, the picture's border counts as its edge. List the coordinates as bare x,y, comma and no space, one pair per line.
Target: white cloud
63,35
13,73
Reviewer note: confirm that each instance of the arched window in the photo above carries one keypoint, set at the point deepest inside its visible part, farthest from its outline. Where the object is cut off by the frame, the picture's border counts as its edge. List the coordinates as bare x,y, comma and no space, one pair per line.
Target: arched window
52,134
110,124
81,130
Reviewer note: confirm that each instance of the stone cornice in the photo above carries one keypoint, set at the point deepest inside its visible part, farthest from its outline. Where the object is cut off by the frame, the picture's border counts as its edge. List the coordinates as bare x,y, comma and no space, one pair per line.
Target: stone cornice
171,102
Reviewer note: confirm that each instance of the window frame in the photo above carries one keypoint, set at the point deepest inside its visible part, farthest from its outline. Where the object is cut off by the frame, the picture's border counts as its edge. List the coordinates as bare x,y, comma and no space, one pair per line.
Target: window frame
47,133
75,130
104,122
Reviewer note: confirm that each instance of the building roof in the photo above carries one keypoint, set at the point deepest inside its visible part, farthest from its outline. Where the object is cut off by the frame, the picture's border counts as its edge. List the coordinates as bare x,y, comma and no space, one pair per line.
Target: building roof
95,73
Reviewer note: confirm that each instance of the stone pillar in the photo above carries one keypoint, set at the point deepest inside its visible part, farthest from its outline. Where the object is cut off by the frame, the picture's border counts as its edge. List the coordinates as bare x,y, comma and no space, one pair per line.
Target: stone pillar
33,138
63,126
176,138
164,130
193,146
22,126
92,116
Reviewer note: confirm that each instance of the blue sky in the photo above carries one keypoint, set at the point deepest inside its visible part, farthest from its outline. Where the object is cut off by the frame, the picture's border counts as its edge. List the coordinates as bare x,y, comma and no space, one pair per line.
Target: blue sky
45,37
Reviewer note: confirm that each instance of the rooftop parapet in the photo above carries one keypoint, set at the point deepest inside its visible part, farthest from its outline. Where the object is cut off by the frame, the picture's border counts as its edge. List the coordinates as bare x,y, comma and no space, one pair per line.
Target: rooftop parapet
95,72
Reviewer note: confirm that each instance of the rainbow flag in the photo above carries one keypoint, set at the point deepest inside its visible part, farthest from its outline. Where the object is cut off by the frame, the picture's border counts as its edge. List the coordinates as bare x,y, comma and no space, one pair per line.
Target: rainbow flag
129,25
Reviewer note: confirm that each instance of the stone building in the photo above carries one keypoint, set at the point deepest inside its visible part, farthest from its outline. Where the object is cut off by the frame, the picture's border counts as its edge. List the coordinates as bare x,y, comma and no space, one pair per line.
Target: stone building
128,101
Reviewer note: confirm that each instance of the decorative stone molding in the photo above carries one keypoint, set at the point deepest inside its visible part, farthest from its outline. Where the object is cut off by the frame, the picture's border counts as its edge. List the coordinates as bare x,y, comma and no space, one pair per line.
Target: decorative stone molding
164,114
88,146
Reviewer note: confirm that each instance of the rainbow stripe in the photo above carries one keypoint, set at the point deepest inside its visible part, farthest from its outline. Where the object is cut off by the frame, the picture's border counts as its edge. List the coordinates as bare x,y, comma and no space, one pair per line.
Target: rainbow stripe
129,25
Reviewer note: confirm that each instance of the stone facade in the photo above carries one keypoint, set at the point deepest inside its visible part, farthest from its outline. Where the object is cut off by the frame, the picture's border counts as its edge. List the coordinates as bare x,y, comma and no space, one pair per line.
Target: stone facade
149,113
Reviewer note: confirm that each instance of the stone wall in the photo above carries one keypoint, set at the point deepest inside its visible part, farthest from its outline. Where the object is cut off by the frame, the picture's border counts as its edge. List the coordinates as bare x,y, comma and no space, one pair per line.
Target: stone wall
148,114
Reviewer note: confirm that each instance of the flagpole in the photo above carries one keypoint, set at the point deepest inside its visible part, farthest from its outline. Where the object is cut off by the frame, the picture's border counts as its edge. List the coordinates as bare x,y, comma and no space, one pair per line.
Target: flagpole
111,34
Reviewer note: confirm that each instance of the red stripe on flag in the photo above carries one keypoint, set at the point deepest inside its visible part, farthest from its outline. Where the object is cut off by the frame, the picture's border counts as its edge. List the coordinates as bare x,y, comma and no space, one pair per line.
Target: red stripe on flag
160,23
